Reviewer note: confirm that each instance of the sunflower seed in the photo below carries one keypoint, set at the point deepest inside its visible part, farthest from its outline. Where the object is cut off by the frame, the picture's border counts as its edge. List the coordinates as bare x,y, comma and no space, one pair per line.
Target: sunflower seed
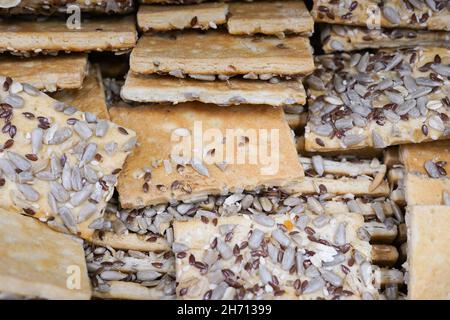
315,83
28,192
362,234
391,15
109,275
288,259
52,203
225,251
427,82
441,69
292,201
337,45
29,89
14,101
394,97
36,140
255,239
366,273
332,278
420,92
264,274
179,247
24,177
379,211
266,204
318,165
83,130
219,291
67,218
8,169
147,275
76,179
340,237
446,198
79,197
129,144
398,58
55,165
232,199
302,222
69,110
61,135
334,100
353,139
405,107
323,130
58,191
431,169
198,166
280,237
436,123
111,148
86,212
101,128
247,201
434,104
314,285
377,140
314,205
321,221
363,63
20,162
88,154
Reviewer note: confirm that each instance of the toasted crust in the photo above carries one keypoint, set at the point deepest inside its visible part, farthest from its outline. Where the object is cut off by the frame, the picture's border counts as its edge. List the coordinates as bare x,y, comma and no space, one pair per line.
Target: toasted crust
45,72
152,88
271,18
217,53
428,252
422,190
344,38
90,98
158,147
37,262
165,18
52,35
362,14
414,156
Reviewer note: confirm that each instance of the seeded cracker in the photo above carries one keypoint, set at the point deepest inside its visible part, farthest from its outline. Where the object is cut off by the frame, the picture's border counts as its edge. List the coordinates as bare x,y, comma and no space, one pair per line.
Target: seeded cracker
249,265
89,98
417,157
58,165
432,15
50,7
35,260
164,18
52,35
218,53
345,38
428,252
377,100
271,18
152,88
46,73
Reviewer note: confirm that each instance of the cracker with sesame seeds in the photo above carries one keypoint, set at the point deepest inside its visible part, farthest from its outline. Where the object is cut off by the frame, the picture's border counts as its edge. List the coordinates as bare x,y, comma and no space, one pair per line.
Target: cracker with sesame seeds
90,97
271,18
346,38
432,15
428,252
38,262
218,53
278,257
54,7
47,73
153,88
166,166
164,18
52,35
378,99
58,164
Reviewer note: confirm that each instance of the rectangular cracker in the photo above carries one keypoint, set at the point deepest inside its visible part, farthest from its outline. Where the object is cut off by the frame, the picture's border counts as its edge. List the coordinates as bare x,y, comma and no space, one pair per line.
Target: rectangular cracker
271,18
395,13
59,165
152,88
46,7
415,156
89,98
130,274
421,190
46,72
218,53
382,122
37,262
345,38
428,252
253,264
165,18
52,35
182,182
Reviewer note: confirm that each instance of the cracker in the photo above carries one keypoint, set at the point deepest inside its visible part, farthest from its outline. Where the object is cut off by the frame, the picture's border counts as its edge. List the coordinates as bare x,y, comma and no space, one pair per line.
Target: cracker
428,252
374,111
90,98
396,13
296,121
46,7
130,274
271,18
59,165
38,262
217,53
152,88
421,190
52,35
172,177
165,18
45,72
344,38
255,266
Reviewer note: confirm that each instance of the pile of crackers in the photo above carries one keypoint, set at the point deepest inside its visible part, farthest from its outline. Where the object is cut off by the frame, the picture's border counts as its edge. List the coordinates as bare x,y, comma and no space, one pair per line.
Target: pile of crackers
224,150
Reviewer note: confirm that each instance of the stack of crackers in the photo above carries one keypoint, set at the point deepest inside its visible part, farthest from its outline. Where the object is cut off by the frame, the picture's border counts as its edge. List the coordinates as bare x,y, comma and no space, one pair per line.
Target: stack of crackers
233,163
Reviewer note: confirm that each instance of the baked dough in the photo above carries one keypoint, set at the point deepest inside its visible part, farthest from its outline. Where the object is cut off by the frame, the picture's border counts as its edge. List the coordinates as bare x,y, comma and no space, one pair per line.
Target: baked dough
46,72
38,262
414,156
428,252
217,53
173,178
153,88
422,190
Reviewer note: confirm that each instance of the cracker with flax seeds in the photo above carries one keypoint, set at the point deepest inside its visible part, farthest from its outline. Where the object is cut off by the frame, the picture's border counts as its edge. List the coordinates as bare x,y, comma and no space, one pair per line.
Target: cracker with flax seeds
52,35
378,99
58,164
157,89
37,262
47,73
413,14
218,53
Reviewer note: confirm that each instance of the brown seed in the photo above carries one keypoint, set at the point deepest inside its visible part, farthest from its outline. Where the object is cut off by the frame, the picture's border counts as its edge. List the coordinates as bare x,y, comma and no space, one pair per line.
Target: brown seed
213,244
204,219
215,221
116,171
12,131
98,157
183,291
29,211
191,259
320,142
28,115
2,182
425,130
31,157
181,255
8,144
297,284
122,130
147,176
345,269
310,231
145,187
157,265
194,21
207,295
